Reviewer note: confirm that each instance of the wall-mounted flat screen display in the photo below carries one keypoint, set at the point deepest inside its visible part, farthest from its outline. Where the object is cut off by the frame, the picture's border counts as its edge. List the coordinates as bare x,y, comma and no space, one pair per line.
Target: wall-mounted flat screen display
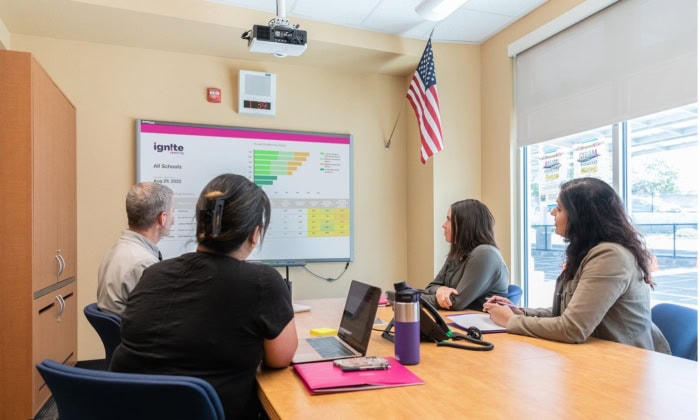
307,175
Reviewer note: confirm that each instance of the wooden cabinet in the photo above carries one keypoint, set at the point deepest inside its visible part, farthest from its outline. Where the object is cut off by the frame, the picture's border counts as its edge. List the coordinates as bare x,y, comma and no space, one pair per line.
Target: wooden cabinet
39,225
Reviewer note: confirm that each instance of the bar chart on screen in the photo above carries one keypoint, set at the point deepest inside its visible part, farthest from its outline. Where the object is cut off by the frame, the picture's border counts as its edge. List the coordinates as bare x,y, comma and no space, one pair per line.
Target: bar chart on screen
269,165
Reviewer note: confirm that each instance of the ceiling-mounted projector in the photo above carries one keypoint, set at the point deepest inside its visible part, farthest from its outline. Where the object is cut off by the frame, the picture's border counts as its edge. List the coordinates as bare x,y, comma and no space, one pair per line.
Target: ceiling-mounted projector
276,38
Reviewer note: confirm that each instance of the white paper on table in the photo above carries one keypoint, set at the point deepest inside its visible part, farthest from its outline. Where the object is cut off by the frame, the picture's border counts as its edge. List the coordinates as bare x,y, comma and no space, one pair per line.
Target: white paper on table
481,321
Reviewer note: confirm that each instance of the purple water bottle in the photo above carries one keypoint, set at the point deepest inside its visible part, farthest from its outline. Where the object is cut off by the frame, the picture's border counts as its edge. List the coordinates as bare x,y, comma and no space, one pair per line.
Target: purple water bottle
406,325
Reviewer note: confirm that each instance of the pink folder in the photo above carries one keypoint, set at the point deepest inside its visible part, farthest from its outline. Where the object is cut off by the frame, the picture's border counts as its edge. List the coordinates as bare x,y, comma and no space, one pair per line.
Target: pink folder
324,377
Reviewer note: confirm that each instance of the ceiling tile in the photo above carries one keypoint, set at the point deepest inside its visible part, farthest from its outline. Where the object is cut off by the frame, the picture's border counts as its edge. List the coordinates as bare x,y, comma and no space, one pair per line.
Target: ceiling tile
340,12
515,8
479,27
393,16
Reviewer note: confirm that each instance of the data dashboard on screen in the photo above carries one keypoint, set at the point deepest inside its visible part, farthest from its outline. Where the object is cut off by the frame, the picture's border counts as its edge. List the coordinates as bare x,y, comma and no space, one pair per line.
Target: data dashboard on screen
307,176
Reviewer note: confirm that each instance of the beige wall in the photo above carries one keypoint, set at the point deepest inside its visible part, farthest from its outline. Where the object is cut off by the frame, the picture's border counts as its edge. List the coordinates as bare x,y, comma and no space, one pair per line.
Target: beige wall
456,170
4,37
111,86
498,153
454,173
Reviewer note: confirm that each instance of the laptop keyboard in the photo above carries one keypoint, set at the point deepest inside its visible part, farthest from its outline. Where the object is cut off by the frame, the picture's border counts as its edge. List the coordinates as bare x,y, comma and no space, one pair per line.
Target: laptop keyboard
329,347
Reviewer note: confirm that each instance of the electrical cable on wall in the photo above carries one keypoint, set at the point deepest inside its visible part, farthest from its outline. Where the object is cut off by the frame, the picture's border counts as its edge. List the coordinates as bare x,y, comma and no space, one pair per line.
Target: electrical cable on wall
329,279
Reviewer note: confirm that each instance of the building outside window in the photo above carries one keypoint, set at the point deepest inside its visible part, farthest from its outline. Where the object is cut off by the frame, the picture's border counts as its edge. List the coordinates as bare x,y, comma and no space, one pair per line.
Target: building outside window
652,162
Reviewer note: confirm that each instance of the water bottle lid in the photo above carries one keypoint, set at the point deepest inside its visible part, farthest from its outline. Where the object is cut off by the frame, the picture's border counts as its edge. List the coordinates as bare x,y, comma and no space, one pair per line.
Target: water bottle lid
401,285
407,295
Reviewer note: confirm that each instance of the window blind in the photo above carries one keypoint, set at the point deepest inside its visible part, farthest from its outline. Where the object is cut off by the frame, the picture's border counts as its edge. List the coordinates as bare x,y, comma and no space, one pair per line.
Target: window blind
633,58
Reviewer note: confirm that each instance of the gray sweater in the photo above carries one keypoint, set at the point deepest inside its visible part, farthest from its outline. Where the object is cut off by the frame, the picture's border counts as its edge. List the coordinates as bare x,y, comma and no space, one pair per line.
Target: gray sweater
482,274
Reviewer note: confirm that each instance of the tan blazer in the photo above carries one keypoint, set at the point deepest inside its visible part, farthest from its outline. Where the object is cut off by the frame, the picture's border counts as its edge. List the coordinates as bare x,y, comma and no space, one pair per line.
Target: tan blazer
607,299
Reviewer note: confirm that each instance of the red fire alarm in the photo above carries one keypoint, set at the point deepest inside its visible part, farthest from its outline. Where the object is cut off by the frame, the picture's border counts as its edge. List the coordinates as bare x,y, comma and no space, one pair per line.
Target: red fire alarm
214,95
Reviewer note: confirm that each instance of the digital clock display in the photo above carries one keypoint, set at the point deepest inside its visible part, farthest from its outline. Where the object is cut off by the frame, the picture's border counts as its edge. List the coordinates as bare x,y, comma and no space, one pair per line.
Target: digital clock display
257,105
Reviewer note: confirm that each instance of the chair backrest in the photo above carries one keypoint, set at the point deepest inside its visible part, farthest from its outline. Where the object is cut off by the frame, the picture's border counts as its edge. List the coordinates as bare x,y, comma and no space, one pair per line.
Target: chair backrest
107,326
679,324
95,394
514,293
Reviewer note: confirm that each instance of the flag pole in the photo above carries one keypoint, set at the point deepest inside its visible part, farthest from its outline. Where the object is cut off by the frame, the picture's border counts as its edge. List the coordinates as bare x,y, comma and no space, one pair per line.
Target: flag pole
387,144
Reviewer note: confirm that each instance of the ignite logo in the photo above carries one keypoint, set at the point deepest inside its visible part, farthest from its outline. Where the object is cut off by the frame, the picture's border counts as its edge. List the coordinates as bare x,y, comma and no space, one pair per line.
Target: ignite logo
172,148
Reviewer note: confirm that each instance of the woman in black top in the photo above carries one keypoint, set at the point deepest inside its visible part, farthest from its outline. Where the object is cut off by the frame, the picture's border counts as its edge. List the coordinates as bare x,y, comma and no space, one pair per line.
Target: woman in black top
209,313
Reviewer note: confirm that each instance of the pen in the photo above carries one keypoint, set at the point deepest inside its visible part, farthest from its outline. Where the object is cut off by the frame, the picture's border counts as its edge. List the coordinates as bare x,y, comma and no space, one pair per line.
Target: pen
512,308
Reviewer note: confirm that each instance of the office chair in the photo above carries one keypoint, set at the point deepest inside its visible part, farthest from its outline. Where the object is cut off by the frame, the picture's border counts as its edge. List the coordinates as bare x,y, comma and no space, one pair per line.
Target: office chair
679,324
514,294
94,394
107,326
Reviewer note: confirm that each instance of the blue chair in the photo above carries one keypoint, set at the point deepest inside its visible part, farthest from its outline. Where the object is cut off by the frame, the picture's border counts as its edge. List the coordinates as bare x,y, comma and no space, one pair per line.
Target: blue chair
679,324
514,294
107,326
95,394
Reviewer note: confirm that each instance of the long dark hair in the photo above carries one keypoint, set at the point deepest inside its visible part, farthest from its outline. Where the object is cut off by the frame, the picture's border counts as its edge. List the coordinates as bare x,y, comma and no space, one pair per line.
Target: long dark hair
229,209
472,225
595,214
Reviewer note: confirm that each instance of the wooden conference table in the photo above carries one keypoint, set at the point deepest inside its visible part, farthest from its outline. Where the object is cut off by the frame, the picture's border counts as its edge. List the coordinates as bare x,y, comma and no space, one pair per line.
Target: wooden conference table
521,378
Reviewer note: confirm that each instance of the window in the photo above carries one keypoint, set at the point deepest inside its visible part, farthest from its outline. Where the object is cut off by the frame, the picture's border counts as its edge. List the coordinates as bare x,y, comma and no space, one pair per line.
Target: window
652,163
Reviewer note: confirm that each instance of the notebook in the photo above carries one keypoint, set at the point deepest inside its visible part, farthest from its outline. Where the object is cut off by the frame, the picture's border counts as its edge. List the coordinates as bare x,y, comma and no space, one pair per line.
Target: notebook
324,378
481,321
354,331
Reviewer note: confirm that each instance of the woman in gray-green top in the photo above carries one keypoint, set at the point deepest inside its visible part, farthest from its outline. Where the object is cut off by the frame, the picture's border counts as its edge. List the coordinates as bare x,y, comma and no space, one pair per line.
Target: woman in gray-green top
474,269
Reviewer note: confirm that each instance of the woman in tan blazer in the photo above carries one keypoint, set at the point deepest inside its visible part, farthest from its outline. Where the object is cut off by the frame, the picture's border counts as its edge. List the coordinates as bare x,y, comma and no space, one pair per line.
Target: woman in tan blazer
605,286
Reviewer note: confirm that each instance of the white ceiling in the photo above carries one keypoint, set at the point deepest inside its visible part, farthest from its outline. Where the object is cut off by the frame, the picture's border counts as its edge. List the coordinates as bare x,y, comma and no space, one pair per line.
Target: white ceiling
473,23
369,36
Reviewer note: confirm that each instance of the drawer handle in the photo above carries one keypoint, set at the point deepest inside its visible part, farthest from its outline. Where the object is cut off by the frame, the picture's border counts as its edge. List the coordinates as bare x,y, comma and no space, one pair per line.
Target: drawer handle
61,307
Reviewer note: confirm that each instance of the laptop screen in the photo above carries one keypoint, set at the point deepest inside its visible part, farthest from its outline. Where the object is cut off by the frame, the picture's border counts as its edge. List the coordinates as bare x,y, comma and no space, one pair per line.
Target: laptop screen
358,315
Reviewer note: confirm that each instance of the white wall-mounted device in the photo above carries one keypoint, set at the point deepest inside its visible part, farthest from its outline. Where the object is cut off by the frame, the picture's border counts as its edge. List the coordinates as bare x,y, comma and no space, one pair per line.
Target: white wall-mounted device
257,92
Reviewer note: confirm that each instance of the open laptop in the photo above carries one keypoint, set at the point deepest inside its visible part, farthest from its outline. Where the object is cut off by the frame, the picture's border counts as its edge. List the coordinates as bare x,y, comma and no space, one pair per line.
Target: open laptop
354,331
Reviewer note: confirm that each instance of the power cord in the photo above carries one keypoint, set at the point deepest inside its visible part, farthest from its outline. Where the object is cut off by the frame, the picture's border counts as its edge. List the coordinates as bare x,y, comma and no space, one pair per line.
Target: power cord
329,279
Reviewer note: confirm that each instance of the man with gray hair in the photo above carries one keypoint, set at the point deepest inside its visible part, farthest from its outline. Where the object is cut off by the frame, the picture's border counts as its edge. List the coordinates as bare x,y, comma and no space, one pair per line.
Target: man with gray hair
149,209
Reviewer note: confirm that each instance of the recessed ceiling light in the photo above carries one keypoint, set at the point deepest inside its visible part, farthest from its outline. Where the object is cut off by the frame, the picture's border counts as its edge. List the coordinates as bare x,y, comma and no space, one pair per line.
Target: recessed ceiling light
437,10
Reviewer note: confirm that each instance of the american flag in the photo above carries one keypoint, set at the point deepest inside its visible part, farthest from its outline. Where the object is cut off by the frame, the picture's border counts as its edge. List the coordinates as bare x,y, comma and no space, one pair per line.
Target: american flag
423,96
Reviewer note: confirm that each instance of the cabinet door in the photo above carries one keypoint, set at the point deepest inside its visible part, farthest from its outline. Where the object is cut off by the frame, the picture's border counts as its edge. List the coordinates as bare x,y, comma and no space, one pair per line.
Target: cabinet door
55,334
65,186
45,130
